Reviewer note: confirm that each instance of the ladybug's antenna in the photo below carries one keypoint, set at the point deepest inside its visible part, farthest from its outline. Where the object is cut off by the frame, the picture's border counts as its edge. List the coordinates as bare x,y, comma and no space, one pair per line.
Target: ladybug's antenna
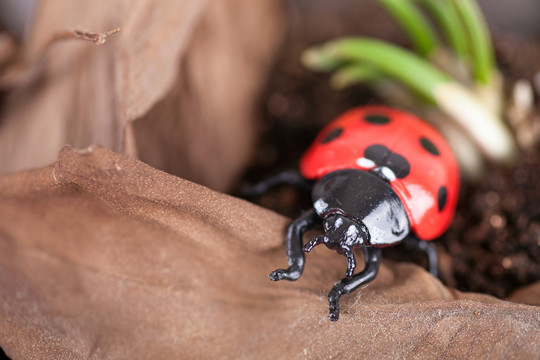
342,248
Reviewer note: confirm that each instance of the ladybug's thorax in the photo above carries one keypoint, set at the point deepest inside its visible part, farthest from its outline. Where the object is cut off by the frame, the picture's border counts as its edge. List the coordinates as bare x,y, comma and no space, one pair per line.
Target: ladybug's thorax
366,201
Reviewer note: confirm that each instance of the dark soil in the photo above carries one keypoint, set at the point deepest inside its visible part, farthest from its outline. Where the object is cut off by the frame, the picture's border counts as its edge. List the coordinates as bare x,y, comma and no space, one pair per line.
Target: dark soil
493,245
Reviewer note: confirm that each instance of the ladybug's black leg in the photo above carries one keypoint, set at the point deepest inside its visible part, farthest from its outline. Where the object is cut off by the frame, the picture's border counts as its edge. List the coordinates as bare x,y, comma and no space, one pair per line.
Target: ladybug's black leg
373,259
295,255
351,264
428,248
292,177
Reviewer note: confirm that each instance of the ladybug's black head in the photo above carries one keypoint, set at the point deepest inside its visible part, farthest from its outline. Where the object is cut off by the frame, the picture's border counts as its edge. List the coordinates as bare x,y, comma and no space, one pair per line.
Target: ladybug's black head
358,208
342,234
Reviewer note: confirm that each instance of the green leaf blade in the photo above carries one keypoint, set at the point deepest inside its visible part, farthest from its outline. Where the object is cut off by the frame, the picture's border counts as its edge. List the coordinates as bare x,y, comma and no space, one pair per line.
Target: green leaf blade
413,22
447,18
392,61
479,40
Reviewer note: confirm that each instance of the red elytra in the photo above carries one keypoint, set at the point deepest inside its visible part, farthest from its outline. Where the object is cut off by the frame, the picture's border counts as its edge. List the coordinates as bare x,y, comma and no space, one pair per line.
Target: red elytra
428,190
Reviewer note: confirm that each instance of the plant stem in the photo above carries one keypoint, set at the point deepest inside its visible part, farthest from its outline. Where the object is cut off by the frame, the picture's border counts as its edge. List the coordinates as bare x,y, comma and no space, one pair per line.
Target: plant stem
486,129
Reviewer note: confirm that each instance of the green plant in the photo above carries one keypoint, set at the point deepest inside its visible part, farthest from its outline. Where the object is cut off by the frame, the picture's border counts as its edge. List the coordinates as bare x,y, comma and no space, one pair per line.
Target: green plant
452,82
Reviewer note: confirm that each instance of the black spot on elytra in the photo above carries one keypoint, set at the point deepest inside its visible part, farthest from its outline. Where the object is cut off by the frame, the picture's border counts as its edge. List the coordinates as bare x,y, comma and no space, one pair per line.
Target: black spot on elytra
382,156
332,135
441,197
377,153
377,119
429,146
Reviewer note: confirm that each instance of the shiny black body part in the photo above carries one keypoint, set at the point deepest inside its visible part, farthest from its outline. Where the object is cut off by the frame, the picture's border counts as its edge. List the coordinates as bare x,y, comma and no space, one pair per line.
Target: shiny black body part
357,209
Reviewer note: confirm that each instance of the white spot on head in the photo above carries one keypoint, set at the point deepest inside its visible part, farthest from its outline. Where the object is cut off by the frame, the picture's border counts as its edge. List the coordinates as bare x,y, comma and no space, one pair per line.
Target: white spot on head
320,206
338,223
352,231
388,173
351,234
365,163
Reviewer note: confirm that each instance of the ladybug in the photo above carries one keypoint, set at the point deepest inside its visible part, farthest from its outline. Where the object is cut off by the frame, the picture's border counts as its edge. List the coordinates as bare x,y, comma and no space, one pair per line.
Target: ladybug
379,176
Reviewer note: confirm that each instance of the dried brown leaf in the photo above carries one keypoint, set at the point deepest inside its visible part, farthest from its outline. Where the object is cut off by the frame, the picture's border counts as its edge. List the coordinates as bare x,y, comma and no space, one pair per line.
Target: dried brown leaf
527,295
85,94
102,256
7,49
97,38
25,71
214,95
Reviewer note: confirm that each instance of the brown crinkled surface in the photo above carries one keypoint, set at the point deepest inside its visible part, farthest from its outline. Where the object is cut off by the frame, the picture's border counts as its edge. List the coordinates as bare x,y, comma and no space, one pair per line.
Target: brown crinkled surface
176,87
104,257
